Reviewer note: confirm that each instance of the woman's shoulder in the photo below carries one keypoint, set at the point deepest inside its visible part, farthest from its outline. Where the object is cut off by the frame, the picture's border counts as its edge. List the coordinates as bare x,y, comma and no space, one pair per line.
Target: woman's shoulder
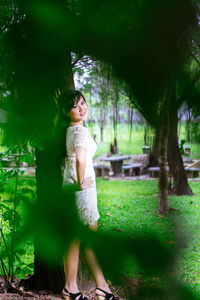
77,129
78,135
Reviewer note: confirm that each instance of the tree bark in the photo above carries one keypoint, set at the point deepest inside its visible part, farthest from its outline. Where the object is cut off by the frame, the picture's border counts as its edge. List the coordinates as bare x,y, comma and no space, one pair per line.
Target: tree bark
102,121
175,161
49,182
49,177
68,73
101,129
154,156
163,177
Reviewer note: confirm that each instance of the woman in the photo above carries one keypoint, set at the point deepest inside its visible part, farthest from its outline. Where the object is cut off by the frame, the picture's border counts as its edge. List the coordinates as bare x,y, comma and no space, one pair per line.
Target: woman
79,170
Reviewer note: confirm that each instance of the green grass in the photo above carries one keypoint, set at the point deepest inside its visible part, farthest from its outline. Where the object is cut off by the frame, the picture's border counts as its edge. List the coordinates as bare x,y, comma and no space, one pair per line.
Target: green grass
195,150
133,205
127,143
128,208
195,147
132,144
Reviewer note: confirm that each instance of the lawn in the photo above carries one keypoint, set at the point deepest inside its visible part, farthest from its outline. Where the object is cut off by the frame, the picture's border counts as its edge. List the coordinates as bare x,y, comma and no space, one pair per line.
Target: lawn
131,207
132,142
128,142
127,208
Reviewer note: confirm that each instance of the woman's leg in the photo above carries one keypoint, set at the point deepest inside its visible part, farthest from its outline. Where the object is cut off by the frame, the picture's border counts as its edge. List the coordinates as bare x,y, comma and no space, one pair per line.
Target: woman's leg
71,267
95,267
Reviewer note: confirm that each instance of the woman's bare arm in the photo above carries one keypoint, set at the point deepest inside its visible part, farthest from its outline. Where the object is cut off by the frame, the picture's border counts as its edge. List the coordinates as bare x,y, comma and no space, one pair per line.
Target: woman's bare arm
80,168
80,163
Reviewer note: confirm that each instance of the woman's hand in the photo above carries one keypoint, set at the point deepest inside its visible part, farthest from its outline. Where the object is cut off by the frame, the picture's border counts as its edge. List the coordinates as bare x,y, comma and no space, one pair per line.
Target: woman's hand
86,183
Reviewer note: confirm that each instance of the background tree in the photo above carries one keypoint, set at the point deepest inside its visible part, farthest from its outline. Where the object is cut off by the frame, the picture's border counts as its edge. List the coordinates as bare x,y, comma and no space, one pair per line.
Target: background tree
100,91
186,91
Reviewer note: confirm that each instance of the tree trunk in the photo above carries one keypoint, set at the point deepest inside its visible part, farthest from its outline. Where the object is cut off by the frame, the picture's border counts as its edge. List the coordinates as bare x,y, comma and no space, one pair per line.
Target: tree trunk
188,127
49,179
175,161
68,73
49,182
114,122
145,134
102,122
154,156
163,177
101,129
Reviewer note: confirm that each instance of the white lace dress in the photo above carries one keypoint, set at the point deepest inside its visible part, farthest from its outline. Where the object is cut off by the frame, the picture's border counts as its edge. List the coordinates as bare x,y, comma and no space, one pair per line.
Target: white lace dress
86,200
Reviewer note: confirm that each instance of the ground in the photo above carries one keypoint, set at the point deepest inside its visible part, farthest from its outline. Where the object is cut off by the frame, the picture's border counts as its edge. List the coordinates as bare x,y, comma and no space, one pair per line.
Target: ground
18,293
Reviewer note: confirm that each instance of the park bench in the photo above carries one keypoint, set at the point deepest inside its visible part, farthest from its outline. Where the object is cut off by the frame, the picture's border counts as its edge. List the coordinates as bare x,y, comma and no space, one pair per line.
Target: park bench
188,161
101,170
132,169
192,172
154,171
146,149
116,163
8,162
12,161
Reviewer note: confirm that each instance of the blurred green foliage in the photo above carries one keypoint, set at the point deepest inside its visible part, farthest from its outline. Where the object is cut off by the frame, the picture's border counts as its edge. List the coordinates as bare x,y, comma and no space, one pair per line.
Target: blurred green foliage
16,199
145,42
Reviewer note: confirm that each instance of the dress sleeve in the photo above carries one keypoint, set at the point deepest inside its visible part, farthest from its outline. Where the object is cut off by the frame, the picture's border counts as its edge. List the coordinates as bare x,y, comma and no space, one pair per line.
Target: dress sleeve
80,137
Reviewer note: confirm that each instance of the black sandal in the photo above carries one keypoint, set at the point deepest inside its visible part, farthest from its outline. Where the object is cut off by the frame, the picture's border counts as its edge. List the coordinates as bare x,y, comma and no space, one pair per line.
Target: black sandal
73,296
107,295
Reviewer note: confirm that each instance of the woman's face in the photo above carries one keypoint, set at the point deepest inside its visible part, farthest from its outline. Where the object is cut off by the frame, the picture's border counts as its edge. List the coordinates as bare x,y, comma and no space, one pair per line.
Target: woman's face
79,111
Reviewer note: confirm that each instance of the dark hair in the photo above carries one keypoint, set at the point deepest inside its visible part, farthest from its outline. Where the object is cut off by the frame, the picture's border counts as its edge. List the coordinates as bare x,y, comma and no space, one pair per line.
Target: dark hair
66,101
